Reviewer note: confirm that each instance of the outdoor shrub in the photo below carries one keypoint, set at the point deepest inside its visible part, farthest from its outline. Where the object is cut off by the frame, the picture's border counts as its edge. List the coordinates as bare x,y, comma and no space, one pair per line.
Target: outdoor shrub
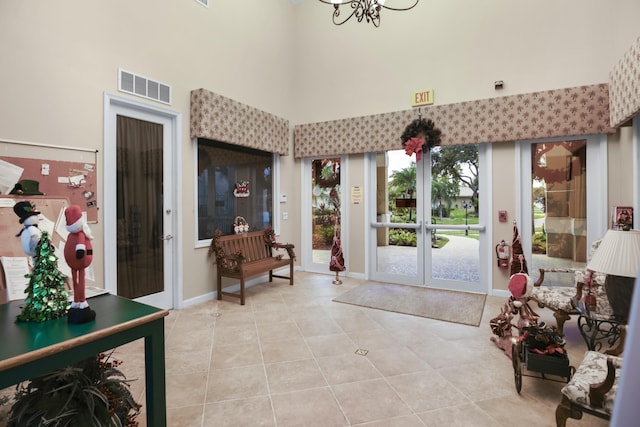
539,243
399,237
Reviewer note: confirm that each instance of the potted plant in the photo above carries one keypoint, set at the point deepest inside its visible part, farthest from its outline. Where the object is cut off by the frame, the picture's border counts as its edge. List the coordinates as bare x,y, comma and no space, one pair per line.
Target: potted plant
93,392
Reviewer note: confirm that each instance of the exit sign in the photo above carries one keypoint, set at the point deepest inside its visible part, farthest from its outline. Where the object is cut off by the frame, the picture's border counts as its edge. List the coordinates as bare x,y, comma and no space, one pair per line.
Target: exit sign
424,97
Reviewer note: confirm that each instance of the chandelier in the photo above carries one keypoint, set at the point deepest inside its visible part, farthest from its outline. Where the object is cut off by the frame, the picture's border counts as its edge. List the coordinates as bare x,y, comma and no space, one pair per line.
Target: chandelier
361,9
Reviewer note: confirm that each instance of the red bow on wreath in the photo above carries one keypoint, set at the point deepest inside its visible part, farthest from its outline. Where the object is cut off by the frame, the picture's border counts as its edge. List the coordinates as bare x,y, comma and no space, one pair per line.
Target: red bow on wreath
420,135
414,145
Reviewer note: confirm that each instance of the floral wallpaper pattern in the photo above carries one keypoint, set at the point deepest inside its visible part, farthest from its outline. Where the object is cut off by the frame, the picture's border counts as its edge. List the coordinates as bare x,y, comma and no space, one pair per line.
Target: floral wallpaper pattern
624,86
563,112
219,118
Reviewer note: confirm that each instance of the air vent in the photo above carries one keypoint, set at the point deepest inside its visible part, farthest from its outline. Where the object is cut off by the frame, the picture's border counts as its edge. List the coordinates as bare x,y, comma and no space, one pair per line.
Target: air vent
141,86
205,3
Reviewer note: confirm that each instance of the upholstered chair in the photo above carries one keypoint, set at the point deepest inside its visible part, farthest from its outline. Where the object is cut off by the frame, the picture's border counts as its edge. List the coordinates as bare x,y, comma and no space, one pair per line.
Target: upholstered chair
566,301
591,389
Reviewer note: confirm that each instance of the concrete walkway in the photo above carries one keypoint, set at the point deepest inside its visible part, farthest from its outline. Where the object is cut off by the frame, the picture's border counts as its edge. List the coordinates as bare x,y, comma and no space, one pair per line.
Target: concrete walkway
457,260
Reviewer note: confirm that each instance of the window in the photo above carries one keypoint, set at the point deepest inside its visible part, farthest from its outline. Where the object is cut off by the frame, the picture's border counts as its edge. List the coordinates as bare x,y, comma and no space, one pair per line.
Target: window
233,181
559,203
563,200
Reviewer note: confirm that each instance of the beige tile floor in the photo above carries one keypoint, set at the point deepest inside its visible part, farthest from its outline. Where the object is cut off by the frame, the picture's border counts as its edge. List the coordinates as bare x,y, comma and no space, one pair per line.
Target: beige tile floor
290,357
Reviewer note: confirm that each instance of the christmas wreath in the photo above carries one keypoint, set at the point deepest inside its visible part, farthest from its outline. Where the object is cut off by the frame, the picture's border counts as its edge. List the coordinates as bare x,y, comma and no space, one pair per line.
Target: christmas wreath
421,134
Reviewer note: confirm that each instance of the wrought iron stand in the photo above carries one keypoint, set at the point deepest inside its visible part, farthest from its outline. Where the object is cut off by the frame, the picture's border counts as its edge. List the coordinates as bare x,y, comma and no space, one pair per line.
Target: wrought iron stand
595,330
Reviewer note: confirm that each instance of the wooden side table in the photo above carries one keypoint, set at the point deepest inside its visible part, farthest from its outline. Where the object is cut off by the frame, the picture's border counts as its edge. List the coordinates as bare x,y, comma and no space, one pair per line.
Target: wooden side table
31,349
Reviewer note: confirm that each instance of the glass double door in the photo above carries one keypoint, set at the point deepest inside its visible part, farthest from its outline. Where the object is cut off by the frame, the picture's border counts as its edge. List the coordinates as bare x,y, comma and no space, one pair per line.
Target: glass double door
428,226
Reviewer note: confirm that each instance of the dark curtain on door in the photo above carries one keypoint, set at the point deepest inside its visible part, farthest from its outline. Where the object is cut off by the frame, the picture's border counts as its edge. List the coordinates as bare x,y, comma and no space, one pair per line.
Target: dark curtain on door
139,207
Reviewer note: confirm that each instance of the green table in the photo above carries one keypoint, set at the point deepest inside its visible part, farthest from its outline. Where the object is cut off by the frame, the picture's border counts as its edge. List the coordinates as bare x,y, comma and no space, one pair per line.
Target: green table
31,349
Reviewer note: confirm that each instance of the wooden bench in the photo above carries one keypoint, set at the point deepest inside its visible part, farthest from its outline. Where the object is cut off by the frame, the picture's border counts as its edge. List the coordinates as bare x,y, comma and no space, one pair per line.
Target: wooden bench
245,255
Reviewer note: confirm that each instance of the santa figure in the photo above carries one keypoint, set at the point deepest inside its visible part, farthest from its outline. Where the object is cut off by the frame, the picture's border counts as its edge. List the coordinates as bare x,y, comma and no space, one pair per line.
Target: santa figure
520,286
78,253
30,234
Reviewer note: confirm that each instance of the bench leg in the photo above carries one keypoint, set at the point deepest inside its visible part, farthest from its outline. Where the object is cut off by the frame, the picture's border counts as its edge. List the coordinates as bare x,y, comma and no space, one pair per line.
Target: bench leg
271,275
566,410
561,318
242,291
291,274
219,296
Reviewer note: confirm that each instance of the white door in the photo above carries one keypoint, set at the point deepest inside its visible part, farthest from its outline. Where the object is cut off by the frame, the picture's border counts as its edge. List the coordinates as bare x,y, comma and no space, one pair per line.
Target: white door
140,211
437,241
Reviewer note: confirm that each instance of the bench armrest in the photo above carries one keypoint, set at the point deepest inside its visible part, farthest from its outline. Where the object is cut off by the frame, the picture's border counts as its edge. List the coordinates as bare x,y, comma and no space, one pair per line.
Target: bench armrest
597,391
286,246
553,270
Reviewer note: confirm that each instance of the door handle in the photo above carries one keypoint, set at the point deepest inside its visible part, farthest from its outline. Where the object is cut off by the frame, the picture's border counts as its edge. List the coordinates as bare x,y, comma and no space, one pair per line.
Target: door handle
167,237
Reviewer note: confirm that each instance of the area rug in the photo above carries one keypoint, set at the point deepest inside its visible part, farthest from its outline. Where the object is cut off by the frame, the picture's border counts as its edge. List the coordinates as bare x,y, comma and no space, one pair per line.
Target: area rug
450,306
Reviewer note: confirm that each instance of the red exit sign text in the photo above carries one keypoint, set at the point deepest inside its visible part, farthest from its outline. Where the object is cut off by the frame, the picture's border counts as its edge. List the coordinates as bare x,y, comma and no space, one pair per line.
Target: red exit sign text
424,97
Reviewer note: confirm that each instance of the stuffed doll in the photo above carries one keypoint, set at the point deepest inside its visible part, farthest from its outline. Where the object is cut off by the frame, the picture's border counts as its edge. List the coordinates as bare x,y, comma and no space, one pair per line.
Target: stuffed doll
30,234
520,286
78,253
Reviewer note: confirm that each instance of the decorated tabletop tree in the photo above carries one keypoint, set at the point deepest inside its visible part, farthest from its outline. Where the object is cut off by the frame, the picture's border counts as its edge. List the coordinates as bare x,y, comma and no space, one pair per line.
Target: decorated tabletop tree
46,294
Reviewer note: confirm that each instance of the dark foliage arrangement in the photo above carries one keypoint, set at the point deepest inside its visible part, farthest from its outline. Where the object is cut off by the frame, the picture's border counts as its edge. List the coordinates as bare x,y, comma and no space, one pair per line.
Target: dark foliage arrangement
90,393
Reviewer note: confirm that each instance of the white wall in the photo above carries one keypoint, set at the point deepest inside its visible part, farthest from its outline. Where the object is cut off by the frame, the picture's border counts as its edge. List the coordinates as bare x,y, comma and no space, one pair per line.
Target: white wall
459,48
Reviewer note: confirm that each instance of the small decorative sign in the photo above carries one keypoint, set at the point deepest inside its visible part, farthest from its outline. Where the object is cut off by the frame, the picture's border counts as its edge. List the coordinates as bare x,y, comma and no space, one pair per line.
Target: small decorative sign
242,189
356,195
424,97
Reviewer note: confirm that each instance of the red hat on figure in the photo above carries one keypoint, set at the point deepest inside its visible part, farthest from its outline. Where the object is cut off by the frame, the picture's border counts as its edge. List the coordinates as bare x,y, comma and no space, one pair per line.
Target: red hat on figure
73,214
520,285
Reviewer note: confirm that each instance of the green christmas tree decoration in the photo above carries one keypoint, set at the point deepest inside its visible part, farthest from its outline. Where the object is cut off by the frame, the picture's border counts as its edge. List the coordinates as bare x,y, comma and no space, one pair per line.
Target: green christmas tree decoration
47,297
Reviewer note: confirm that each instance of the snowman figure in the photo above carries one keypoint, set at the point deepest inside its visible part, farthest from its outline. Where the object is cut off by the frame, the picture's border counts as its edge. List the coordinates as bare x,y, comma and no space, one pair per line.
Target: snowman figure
30,234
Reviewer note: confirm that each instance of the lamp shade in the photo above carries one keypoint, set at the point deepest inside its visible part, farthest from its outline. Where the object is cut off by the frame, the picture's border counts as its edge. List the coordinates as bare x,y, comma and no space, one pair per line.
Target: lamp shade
618,254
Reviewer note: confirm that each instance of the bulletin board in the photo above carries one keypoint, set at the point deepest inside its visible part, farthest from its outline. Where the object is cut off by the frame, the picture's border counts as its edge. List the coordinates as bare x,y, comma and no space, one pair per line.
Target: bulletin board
36,179
51,178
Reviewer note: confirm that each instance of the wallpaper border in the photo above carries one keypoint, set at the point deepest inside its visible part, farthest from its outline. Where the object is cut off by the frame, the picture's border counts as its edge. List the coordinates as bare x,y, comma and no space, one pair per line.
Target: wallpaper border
624,86
219,118
572,111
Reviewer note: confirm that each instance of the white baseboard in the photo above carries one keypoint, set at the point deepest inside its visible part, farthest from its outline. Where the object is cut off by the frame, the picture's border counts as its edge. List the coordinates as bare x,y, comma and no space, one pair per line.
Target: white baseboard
500,293
233,288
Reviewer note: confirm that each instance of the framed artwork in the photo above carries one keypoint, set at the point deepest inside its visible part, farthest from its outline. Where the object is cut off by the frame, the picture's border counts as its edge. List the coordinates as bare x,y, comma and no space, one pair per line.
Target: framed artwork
622,218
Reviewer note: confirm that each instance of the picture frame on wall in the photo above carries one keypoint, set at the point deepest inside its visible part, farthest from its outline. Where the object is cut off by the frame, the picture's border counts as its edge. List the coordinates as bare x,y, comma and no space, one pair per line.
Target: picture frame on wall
622,218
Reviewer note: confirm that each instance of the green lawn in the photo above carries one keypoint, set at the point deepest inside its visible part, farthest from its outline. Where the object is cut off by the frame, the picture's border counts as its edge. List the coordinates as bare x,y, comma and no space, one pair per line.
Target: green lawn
457,217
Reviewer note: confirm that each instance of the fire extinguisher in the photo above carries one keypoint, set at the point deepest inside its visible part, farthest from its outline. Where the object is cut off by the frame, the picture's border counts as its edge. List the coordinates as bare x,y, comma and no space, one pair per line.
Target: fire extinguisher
503,252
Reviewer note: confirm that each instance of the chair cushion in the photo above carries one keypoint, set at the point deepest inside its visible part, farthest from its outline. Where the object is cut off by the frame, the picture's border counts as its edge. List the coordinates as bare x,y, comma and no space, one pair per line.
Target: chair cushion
592,370
558,298
555,297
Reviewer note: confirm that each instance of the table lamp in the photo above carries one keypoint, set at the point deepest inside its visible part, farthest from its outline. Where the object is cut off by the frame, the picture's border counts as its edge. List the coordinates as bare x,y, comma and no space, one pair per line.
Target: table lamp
618,256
